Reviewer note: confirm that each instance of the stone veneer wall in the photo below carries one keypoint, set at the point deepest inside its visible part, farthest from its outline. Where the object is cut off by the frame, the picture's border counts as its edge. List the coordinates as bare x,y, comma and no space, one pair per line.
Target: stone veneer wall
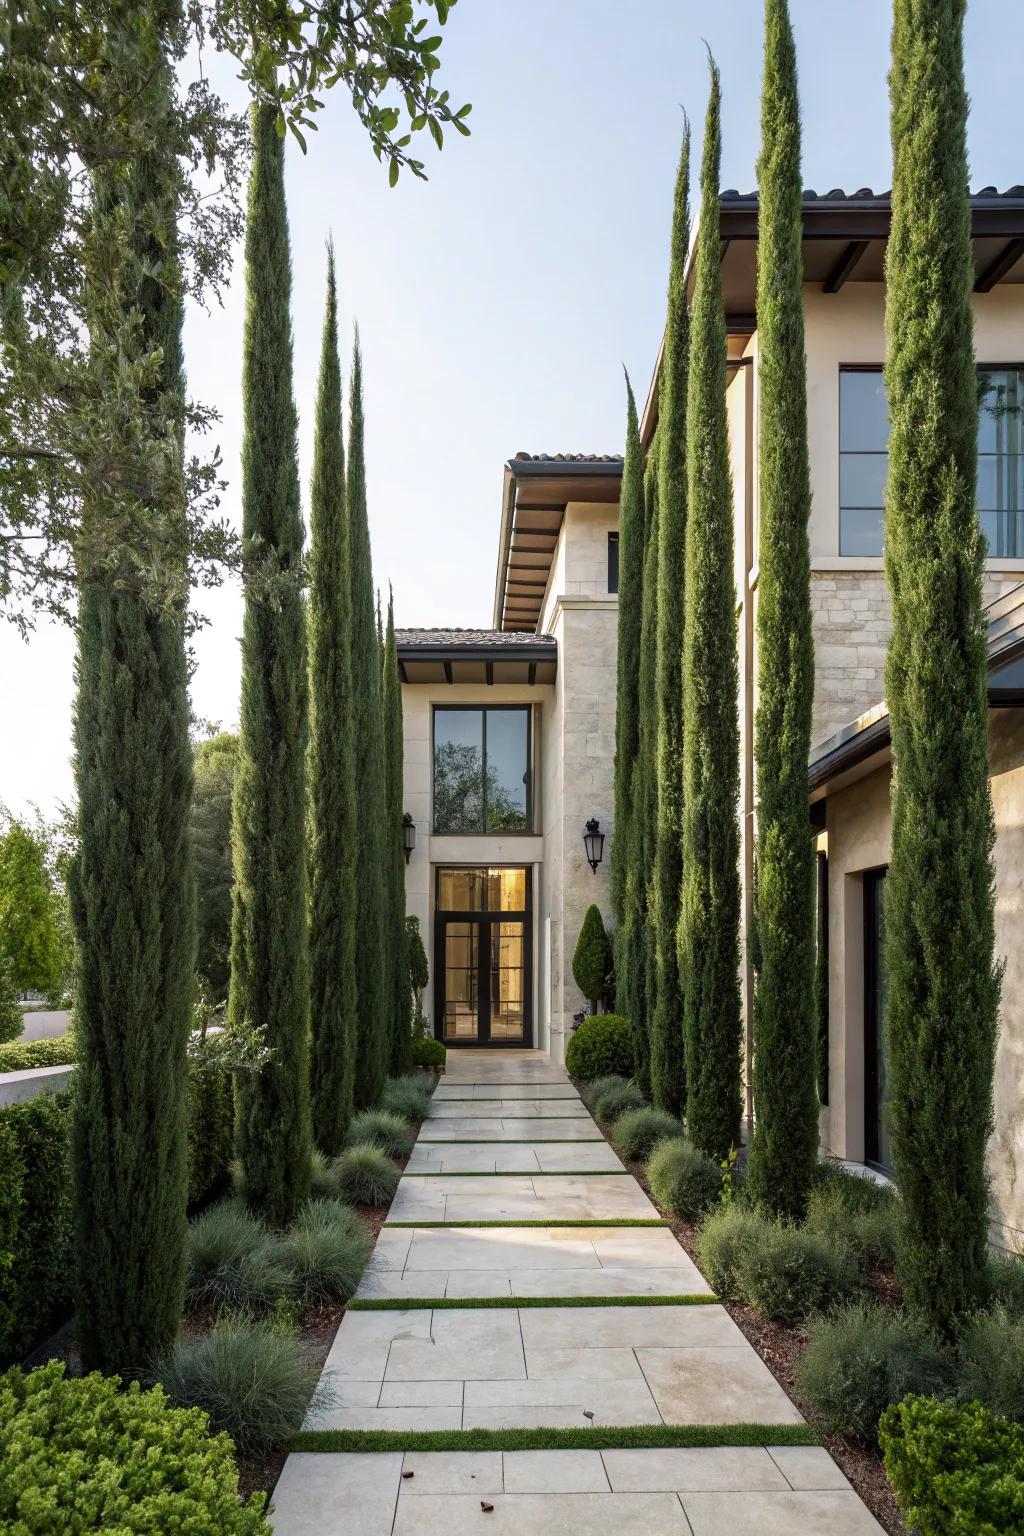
852,618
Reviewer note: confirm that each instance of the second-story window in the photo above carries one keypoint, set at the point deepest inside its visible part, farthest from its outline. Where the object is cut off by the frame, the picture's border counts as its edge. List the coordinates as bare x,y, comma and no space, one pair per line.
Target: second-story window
864,460
482,770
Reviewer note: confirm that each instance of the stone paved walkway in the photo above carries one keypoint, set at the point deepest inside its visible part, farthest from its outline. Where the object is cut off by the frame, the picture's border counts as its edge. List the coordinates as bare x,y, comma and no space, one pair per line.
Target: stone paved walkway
509,1141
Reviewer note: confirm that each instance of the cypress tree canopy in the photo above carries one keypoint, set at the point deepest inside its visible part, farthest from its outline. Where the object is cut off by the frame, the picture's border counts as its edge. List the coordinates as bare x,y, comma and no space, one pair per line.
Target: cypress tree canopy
269,998
131,890
943,986
332,801
785,1148
666,1009
372,991
400,1002
709,917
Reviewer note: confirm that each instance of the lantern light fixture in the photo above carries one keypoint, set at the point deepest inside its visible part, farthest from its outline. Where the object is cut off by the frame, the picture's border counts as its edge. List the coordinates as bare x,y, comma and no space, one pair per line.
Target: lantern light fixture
593,842
408,835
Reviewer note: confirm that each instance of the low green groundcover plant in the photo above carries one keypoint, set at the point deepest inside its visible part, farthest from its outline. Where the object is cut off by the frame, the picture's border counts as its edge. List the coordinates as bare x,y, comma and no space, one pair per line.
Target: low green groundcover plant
789,1273
82,1455
615,1098
407,1096
862,1360
637,1132
851,1211
255,1380
366,1176
325,1252
600,1046
724,1239
683,1179
381,1128
955,1471
427,1052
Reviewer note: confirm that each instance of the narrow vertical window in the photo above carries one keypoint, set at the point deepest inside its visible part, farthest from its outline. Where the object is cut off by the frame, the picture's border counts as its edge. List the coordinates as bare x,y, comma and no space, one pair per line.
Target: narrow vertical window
613,562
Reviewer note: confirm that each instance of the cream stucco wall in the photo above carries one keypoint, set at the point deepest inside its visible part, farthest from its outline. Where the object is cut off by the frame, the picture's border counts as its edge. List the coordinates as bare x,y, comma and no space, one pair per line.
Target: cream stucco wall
858,840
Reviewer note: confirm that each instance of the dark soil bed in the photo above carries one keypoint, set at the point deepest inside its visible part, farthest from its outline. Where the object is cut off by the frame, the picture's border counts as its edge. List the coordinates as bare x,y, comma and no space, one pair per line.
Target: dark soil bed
780,1348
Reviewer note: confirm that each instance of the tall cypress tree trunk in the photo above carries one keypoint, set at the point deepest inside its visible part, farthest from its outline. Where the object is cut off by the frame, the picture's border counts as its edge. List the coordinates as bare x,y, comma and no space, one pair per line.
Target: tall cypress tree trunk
398,954
269,948
372,1040
632,539
785,1148
709,917
131,884
943,988
332,801
645,803
667,1056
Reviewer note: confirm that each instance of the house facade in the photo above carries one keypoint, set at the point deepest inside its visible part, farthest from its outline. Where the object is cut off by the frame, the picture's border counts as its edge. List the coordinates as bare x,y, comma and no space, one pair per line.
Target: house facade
510,731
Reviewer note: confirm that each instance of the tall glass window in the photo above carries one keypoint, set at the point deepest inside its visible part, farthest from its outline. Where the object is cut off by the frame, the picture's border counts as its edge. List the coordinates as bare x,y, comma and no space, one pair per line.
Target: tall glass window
481,770
864,460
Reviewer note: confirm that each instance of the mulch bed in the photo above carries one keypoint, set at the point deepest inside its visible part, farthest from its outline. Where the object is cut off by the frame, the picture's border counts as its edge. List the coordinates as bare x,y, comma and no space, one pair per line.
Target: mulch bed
781,1347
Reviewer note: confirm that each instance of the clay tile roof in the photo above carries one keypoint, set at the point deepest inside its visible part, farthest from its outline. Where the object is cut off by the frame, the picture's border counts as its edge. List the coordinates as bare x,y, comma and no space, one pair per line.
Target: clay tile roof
496,639
866,194
566,458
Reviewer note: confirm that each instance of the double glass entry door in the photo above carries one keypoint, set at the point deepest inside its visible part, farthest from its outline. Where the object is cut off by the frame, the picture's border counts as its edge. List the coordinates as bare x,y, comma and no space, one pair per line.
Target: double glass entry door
482,960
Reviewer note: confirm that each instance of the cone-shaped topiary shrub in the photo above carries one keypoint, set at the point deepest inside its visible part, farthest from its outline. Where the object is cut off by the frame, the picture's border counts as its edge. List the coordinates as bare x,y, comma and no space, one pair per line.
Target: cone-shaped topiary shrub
637,1132
682,1179
592,959
600,1046
366,1176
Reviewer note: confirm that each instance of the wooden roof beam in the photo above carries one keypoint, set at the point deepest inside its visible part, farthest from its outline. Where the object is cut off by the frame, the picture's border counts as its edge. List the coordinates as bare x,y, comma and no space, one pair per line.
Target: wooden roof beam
843,268
996,270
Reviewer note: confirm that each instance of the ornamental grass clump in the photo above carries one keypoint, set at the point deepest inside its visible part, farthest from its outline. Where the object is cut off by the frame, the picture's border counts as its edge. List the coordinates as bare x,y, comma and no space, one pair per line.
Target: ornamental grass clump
366,1176
861,1360
637,1132
789,1273
233,1261
380,1128
992,1364
408,1097
618,1096
683,1180
255,1382
325,1252
80,1455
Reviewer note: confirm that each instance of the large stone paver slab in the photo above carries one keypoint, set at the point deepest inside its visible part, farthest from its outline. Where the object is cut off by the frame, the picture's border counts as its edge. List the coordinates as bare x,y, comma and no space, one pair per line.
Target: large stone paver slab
530,1261
715,1386
677,1470
777,1514
466,1128
519,1157
464,1092
580,1514
568,1197
326,1495
509,1109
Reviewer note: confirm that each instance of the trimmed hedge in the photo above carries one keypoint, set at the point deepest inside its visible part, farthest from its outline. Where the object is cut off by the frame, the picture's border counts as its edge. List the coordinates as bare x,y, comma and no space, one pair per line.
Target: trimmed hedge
35,1221
601,1046
23,1055
427,1052
81,1455
954,1471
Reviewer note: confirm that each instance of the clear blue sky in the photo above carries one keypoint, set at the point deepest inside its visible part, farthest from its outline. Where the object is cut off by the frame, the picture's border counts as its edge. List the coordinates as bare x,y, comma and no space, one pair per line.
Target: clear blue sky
498,302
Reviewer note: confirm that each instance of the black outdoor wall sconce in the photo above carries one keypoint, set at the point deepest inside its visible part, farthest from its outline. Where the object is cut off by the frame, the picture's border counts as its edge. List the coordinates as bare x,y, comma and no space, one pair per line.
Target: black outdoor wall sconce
408,835
593,842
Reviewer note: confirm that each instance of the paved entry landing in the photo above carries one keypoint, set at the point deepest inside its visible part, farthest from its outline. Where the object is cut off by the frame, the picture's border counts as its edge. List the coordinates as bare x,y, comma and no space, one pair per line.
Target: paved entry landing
512,1194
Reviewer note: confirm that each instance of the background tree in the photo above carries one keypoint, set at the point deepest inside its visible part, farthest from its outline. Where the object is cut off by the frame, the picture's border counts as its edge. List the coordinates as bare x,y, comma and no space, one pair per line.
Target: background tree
269,951
29,937
666,1008
372,992
213,777
709,918
943,988
11,1018
785,1148
627,703
132,895
333,822
591,959
398,957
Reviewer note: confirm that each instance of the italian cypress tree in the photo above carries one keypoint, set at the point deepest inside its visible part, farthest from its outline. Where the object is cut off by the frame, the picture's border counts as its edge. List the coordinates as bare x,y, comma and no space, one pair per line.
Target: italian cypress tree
709,918
944,986
372,991
785,1148
269,996
632,540
400,999
332,801
131,887
666,1009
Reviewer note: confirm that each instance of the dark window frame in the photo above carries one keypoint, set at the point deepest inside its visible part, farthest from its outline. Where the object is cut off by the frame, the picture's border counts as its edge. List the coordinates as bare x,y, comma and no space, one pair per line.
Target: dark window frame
483,710
613,563
874,894
980,367
485,918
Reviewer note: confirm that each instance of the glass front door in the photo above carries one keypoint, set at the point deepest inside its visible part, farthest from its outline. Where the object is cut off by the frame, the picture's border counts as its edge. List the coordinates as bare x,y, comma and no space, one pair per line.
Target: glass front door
483,956
877,1143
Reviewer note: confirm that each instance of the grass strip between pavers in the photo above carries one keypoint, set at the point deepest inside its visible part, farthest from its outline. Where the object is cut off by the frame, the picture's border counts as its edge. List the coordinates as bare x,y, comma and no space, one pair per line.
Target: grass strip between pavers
524,1173
453,1303
512,1141
597,1438
547,1221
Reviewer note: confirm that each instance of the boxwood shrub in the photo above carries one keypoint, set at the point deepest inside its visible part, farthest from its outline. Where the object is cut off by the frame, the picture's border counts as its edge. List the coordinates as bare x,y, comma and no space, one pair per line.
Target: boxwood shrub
35,1221
82,1455
600,1046
427,1052
954,1470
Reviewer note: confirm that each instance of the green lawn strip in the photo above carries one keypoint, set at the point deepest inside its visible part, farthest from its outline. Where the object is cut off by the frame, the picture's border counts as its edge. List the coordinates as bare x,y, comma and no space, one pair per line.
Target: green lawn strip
596,1438
525,1173
547,1221
512,1141
451,1303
